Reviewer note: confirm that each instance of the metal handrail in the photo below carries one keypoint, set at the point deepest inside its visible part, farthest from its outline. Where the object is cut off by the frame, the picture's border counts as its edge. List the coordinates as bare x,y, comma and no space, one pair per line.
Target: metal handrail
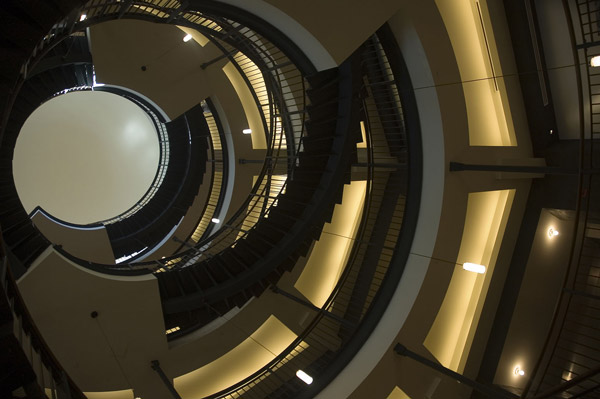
300,353
98,10
306,348
548,352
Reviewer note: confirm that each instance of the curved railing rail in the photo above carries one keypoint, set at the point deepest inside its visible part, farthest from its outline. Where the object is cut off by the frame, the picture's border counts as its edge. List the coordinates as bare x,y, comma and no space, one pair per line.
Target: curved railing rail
219,175
281,106
271,181
569,363
368,281
340,326
281,103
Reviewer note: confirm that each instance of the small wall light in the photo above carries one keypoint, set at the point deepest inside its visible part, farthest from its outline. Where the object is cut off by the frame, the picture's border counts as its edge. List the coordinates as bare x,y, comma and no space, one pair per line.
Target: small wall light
187,37
518,371
595,61
304,377
82,17
474,267
552,232
247,131
215,220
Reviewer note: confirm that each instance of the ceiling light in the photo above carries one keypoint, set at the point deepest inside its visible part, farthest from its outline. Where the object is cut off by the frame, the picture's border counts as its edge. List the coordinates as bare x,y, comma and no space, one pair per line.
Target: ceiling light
552,232
215,220
304,377
83,17
187,37
595,61
474,267
519,371
247,131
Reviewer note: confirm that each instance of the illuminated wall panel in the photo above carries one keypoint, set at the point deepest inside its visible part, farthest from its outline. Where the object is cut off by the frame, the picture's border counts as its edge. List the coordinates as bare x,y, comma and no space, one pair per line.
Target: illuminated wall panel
490,120
330,254
261,347
451,334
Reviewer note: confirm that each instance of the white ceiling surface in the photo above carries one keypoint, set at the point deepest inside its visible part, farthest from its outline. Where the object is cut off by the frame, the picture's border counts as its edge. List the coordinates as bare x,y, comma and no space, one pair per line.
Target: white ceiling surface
85,156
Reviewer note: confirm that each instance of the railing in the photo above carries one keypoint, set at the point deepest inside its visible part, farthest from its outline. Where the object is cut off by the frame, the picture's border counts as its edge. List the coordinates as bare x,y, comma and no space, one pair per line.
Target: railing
569,364
49,377
280,100
371,275
339,326
219,175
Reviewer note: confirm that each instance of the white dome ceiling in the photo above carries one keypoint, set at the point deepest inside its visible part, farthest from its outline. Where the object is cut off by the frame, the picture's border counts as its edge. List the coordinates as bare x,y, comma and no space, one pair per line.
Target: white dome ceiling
85,156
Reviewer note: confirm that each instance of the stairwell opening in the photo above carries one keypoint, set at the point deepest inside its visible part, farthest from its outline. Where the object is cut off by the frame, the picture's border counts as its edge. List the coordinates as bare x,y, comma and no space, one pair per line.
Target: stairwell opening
85,156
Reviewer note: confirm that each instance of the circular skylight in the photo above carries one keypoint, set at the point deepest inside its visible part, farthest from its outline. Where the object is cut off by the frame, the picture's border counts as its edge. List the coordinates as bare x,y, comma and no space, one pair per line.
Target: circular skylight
85,156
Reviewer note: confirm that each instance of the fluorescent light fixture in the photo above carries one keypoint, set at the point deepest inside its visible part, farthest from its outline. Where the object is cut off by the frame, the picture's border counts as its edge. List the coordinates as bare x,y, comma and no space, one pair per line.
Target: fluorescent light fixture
82,17
552,232
595,61
304,377
187,37
247,131
474,267
215,220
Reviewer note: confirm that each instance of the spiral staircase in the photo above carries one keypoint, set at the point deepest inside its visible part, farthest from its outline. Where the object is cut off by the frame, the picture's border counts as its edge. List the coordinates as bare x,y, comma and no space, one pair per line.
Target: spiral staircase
205,280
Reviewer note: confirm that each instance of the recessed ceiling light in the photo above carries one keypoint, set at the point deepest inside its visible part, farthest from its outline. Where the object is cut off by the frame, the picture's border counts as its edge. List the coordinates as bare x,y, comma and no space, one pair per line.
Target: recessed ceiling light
247,131
187,37
304,377
474,267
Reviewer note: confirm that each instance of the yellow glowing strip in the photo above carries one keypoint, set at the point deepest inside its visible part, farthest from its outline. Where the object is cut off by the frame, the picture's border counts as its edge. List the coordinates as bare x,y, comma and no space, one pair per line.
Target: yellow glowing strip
258,86
330,254
398,393
259,140
124,394
451,334
209,212
268,341
363,131
151,10
489,116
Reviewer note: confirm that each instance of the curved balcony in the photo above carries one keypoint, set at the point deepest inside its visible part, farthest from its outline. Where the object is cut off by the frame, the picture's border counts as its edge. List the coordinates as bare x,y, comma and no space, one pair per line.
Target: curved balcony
314,147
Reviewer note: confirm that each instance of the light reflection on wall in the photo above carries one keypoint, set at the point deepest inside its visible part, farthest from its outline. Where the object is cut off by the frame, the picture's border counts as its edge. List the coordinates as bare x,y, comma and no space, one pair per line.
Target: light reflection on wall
451,334
330,254
262,346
